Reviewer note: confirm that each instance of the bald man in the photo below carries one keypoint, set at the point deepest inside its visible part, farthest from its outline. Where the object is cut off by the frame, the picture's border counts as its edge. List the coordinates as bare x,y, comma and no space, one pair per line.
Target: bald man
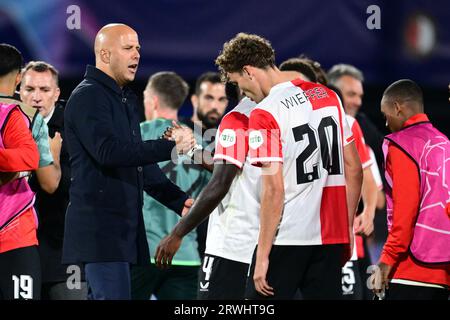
111,166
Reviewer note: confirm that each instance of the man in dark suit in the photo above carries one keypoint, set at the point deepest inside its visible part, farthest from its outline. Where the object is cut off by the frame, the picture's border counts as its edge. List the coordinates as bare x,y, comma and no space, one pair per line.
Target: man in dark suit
111,166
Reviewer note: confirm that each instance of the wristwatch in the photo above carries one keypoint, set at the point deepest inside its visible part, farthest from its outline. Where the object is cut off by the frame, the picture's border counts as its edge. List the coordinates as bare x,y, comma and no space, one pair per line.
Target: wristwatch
191,152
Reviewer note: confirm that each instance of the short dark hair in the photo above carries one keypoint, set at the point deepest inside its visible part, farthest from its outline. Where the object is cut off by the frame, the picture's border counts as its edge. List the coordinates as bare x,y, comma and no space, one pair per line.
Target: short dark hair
212,77
245,49
299,65
404,90
41,66
170,87
10,59
321,75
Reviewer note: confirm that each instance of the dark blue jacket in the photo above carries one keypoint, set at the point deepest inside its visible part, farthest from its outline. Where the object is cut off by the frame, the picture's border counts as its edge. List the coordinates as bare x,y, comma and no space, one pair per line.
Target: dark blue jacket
111,166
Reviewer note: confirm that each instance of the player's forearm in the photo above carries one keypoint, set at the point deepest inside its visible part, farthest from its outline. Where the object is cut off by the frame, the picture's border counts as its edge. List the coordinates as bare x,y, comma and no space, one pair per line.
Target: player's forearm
353,196
206,202
369,192
381,200
353,180
49,177
272,201
204,158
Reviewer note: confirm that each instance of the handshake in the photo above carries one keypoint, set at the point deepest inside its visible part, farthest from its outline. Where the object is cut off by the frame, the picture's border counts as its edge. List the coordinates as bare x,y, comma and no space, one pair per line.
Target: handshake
183,137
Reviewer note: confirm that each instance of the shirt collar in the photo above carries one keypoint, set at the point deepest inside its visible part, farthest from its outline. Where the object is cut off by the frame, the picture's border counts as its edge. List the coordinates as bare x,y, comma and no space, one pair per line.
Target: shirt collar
280,86
98,75
49,116
420,117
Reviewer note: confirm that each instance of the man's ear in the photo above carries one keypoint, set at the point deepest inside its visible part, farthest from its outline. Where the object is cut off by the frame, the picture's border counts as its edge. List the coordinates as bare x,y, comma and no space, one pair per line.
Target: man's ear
18,78
57,93
397,108
247,70
194,101
155,99
105,56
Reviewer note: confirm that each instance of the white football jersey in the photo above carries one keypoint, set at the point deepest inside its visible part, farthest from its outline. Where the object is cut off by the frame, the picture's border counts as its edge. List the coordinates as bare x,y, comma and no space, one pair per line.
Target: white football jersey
303,125
233,226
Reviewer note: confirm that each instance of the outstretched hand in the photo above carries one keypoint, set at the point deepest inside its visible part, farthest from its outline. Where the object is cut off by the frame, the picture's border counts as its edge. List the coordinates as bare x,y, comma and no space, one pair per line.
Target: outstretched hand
170,244
260,278
166,249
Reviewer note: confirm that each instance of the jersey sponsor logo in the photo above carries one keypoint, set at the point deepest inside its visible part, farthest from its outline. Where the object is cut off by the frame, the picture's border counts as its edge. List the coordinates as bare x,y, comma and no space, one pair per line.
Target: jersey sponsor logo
227,138
255,139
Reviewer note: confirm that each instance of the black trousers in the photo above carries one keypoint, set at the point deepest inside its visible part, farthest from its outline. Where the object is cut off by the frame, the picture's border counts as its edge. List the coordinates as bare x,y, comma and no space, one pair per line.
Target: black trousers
314,270
20,274
399,291
221,279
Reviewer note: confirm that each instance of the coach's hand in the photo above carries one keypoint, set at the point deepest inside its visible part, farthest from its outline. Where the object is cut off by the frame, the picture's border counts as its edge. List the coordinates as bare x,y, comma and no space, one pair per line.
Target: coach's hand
182,135
187,206
167,134
259,277
166,249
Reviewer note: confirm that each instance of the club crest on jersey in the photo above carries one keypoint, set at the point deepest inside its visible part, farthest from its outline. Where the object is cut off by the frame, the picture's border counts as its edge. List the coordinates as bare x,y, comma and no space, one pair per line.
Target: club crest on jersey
227,138
255,139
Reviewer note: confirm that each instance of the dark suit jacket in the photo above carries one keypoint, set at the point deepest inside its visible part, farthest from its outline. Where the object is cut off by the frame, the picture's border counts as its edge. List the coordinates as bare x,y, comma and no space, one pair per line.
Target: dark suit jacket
111,166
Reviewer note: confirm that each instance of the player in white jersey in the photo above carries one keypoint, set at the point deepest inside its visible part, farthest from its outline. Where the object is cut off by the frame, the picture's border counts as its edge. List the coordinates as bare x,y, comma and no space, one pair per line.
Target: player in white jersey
311,175
233,194
352,281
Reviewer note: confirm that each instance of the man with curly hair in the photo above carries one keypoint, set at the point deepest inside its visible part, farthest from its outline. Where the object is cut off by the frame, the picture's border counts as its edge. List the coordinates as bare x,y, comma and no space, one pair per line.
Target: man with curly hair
311,175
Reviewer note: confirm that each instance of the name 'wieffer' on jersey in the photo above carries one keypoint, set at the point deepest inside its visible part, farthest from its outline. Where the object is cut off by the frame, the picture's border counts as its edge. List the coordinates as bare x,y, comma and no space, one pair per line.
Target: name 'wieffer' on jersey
301,97
295,100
